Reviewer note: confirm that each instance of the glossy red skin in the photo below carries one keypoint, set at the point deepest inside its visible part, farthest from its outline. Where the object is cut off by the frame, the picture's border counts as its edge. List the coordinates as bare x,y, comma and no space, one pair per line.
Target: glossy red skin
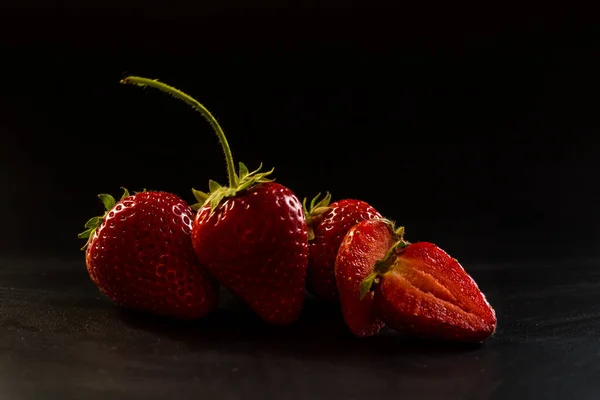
141,257
429,293
256,245
364,244
330,229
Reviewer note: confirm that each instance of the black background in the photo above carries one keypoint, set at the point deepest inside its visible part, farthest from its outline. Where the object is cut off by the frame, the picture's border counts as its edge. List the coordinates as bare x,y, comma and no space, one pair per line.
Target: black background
475,128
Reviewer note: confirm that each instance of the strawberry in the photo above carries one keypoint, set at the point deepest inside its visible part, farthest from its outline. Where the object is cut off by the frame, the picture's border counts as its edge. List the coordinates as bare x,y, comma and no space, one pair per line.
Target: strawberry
255,244
364,244
419,289
327,226
140,255
251,235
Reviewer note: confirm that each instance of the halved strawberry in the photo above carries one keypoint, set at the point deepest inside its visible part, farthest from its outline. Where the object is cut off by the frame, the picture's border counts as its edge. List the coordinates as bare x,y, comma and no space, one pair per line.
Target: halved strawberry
364,244
419,289
327,226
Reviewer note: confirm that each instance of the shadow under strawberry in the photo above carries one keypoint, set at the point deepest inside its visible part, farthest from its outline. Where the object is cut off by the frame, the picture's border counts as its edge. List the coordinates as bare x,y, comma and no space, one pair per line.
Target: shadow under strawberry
319,334
318,354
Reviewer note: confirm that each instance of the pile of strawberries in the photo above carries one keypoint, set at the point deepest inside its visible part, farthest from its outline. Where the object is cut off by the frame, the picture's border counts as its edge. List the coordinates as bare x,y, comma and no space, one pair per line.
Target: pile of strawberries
152,252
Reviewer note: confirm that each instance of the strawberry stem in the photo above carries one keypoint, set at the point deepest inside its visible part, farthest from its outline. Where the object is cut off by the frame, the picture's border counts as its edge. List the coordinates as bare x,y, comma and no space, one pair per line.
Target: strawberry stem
178,94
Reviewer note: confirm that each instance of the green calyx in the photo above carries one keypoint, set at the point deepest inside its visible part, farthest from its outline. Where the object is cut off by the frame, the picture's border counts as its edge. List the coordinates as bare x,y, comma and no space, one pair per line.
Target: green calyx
315,210
387,263
238,180
217,192
92,224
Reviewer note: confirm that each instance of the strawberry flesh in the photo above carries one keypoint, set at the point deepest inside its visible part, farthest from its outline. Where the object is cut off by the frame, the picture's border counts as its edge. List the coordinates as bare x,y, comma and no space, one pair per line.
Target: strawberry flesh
428,293
364,244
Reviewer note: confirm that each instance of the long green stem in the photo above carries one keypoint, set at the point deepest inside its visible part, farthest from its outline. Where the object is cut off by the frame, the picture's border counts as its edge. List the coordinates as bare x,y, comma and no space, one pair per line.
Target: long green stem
178,94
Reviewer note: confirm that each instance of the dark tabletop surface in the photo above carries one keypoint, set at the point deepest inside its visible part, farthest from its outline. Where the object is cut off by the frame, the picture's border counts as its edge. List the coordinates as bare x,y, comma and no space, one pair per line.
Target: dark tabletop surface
60,339
474,128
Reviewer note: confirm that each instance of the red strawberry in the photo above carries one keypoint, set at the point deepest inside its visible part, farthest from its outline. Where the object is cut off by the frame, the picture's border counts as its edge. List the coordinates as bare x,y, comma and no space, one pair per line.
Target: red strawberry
421,290
255,244
140,255
251,235
364,244
327,226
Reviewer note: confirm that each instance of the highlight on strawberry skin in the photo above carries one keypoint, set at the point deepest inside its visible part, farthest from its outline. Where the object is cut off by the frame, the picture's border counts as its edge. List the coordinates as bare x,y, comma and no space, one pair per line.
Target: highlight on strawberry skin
328,223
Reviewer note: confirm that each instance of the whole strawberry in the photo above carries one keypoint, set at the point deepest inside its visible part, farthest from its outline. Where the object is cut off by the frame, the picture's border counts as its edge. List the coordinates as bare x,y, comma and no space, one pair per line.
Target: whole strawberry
251,235
140,255
327,226
419,289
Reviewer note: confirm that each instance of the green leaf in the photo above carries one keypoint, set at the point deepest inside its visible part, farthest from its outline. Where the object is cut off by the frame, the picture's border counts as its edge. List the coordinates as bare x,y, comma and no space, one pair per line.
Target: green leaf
230,192
314,200
215,201
243,171
400,231
304,207
325,202
196,206
317,207
125,193
316,203
93,222
244,185
86,234
108,201
213,186
269,172
318,211
365,286
200,196
256,170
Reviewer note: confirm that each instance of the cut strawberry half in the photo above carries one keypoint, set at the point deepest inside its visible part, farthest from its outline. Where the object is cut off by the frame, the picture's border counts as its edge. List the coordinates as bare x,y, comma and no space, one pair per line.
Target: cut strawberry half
364,244
419,289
